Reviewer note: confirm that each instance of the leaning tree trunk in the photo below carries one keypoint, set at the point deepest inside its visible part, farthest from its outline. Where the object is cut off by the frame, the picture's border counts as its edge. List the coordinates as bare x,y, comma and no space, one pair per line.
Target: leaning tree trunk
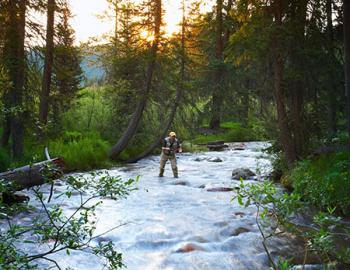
35,174
136,117
346,7
285,134
46,84
217,89
179,93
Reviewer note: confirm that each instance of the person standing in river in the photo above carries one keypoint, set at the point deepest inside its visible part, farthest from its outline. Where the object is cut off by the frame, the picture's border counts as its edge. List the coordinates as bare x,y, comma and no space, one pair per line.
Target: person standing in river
171,146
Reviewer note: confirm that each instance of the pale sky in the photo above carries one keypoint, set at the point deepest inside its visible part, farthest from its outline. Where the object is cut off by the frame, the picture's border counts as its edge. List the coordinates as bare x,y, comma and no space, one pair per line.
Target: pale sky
86,23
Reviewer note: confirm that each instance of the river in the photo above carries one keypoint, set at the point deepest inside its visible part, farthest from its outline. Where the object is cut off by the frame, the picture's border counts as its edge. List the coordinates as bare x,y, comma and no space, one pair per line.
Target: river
180,224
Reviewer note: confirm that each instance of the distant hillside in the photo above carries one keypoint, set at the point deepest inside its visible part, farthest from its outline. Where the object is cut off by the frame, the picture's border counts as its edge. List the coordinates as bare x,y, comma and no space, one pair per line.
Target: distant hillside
91,69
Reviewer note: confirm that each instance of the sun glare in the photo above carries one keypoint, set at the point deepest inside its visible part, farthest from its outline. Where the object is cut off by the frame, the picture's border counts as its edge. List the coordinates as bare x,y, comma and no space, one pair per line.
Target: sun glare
87,25
146,35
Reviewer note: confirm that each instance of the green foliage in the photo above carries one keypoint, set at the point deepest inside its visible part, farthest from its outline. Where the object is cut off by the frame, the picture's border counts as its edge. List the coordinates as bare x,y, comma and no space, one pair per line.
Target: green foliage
230,132
81,152
60,231
324,181
5,159
281,206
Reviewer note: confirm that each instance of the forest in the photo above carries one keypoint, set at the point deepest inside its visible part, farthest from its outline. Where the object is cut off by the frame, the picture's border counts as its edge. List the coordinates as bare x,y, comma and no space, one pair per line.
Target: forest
274,71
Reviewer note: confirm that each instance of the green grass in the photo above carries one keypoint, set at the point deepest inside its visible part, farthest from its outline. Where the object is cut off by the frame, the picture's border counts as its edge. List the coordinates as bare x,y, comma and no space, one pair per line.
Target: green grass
230,132
325,181
81,153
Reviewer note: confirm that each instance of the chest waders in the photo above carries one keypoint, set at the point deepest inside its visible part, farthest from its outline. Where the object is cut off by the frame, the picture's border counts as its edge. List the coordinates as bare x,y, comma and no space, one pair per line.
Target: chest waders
169,155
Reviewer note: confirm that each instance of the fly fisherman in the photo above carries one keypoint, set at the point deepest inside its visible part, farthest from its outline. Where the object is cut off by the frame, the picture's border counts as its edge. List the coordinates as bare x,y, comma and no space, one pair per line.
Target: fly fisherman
171,146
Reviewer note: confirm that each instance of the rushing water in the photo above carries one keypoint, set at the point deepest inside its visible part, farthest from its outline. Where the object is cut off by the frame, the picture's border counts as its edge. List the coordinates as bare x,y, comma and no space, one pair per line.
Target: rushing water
180,224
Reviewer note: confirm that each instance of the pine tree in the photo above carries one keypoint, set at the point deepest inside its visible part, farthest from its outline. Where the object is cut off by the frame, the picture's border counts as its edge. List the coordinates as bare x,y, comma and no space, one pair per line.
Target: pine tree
67,73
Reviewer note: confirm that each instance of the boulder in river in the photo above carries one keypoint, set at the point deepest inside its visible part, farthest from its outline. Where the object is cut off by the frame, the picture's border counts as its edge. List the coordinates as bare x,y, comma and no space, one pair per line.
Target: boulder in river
243,173
200,159
220,189
214,159
189,247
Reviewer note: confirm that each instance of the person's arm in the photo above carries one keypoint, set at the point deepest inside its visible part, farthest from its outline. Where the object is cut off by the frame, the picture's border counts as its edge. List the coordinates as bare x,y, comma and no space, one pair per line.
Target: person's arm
179,147
164,147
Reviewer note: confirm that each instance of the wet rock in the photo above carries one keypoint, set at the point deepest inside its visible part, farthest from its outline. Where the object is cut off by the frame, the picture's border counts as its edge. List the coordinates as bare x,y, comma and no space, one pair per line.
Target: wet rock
220,189
308,267
59,183
236,229
190,247
239,147
243,173
198,159
292,248
239,214
214,159
240,230
179,183
221,223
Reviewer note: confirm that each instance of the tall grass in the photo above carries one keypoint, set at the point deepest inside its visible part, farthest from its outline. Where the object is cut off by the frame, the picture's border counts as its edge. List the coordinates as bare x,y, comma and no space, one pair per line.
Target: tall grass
81,153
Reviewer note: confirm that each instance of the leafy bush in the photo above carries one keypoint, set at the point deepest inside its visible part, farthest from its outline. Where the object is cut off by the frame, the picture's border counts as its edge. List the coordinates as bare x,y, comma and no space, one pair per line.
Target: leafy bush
5,160
55,231
83,152
325,181
230,132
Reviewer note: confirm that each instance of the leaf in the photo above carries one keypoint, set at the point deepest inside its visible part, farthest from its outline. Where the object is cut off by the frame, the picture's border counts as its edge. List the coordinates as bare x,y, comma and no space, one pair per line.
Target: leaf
240,200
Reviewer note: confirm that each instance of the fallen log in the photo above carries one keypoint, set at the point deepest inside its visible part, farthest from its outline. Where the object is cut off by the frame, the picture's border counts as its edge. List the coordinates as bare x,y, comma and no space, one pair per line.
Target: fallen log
34,174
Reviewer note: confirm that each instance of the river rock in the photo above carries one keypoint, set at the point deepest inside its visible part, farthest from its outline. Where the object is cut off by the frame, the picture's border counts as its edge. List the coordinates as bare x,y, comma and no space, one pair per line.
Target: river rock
220,189
179,183
243,173
189,248
214,159
198,159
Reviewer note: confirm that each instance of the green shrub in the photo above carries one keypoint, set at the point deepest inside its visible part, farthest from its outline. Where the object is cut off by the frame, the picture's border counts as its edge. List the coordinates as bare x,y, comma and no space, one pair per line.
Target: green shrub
230,132
5,160
82,153
325,181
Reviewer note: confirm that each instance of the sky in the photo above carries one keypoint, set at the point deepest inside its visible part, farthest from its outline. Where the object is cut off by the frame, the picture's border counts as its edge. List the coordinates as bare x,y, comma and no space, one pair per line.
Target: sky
86,23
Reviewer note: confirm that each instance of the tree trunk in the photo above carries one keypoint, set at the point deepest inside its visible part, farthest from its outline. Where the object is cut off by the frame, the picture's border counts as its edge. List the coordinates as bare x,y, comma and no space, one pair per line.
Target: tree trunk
6,133
14,59
34,175
227,29
46,84
136,117
285,134
298,85
346,7
179,93
217,89
332,96
245,104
